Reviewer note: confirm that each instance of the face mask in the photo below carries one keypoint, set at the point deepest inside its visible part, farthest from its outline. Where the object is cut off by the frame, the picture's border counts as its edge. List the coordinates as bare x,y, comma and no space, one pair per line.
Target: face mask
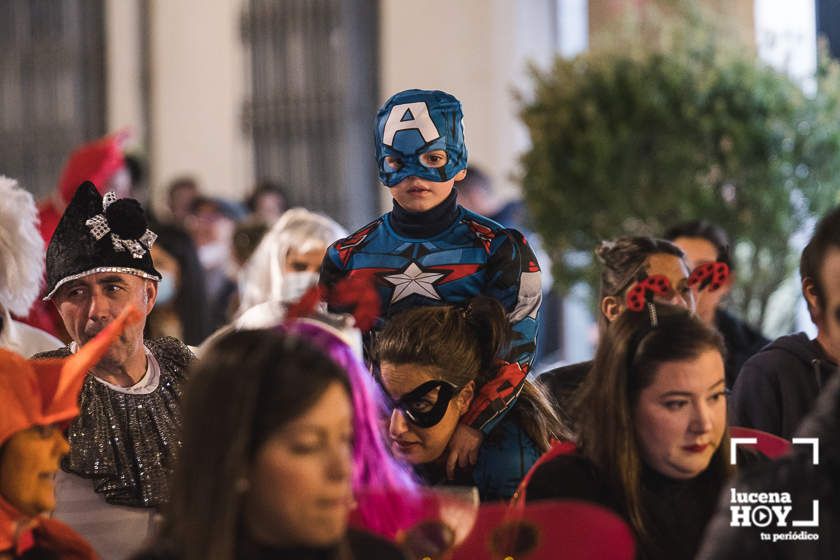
166,289
295,285
414,122
213,255
418,412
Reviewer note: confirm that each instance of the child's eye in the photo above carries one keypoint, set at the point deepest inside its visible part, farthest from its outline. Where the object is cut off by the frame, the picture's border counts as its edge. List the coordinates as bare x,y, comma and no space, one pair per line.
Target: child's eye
393,162
434,159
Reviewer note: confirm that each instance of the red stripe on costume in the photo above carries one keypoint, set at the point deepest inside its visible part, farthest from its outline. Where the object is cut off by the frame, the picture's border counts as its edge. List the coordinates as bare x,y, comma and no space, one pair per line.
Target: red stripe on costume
509,377
454,271
347,246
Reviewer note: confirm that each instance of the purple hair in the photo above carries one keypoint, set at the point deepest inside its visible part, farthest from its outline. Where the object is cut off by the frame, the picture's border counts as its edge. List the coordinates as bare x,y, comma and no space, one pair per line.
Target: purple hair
386,490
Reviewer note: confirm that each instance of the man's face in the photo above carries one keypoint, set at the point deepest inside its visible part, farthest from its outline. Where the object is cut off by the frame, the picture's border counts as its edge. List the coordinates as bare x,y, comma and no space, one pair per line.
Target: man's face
829,319
87,305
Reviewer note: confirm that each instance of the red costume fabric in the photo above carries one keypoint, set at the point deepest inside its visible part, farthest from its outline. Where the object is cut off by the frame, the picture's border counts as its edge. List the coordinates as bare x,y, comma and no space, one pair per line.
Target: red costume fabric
97,162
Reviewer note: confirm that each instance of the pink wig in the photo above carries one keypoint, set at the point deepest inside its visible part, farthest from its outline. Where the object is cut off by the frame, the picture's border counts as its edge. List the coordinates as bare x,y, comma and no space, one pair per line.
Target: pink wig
387,492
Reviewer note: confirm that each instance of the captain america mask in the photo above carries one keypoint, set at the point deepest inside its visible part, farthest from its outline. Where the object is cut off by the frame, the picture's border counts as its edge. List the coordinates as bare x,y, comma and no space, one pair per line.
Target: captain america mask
413,123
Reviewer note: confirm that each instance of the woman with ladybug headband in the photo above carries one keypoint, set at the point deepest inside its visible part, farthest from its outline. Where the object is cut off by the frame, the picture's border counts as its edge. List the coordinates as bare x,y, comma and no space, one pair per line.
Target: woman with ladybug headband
626,263
652,441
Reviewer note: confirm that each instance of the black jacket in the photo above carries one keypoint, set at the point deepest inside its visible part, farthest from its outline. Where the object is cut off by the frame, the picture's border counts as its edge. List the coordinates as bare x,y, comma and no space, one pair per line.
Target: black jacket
804,481
777,387
742,341
676,511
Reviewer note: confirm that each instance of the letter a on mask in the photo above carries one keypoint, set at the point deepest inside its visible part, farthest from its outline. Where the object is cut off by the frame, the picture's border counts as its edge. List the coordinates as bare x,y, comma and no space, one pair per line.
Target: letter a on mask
410,116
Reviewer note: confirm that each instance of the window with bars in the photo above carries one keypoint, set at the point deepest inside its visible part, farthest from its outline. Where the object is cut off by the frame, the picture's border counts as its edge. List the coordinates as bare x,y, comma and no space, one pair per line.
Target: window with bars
313,98
52,92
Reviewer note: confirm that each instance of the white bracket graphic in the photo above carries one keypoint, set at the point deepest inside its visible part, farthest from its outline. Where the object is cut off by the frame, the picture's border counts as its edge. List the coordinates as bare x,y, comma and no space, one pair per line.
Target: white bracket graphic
733,446
815,517
736,441
813,442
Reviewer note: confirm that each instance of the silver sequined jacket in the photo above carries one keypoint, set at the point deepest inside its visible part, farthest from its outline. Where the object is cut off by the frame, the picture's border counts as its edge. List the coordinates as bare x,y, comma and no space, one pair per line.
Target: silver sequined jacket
126,443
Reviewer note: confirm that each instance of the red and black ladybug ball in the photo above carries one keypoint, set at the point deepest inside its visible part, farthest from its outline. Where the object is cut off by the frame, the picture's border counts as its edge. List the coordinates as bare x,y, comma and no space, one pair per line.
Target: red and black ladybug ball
711,275
645,290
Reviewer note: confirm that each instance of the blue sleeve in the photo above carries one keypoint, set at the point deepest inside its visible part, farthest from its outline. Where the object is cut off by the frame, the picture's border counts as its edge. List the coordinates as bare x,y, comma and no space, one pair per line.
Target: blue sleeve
504,459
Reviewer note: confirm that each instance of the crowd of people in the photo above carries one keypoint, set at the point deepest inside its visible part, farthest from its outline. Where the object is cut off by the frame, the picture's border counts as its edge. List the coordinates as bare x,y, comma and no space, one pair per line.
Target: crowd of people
227,380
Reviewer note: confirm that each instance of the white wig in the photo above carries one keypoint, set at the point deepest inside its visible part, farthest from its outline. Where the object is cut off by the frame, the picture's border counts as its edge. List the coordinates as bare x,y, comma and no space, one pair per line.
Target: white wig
21,249
261,279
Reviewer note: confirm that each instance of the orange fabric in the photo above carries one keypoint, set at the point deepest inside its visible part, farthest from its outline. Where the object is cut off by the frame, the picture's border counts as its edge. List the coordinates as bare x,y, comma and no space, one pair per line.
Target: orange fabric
42,392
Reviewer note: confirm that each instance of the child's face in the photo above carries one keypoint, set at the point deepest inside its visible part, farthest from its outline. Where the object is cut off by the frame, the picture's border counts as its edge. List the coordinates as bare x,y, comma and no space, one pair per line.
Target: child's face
416,194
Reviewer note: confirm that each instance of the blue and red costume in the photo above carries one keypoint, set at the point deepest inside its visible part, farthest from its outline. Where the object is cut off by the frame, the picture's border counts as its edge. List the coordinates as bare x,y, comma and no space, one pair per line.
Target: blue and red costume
446,256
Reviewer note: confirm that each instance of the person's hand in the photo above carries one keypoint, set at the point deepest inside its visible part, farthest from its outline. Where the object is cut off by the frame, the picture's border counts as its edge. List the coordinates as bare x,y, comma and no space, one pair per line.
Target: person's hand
463,449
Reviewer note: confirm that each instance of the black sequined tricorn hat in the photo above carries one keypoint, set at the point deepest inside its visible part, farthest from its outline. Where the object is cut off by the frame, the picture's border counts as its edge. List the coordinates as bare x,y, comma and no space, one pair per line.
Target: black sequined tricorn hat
99,234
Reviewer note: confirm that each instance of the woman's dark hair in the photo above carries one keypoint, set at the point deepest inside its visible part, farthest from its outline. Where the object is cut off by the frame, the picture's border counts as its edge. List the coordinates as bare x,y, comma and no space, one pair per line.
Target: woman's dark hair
462,344
247,386
826,236
190,301
627,361
622,259
702,229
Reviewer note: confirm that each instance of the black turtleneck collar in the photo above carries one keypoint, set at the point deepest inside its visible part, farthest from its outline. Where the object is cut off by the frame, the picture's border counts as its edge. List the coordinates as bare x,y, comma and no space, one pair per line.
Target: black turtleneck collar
425,224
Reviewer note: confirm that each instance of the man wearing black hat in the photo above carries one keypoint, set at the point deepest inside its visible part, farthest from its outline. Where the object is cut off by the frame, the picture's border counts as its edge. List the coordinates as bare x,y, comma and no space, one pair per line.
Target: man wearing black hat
123,444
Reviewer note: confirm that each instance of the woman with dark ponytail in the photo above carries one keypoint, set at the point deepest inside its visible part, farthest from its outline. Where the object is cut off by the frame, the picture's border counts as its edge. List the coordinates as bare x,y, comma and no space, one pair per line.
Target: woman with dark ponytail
433,361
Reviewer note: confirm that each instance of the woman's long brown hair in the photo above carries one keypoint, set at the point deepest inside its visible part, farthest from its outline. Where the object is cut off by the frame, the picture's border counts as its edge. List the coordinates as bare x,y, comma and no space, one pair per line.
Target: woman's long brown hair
246,387
627,360
462,344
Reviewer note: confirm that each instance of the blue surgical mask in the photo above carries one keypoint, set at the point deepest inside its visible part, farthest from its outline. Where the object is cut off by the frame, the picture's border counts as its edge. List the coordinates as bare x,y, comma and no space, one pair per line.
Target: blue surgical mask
412,123
166,289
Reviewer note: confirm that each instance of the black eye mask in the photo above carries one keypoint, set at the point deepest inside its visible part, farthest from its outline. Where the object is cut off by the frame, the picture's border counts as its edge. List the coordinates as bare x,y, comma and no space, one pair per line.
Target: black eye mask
408,403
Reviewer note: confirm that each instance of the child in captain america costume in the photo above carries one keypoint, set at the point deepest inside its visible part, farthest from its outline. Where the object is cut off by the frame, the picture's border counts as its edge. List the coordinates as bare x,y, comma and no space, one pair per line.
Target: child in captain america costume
430,251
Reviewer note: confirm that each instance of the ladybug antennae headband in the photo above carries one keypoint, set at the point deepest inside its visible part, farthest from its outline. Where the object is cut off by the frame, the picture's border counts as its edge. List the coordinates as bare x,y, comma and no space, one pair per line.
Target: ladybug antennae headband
711,275
645,291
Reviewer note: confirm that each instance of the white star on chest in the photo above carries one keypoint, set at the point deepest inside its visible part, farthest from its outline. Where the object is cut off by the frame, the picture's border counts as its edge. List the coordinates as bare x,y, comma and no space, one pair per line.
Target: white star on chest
413,280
